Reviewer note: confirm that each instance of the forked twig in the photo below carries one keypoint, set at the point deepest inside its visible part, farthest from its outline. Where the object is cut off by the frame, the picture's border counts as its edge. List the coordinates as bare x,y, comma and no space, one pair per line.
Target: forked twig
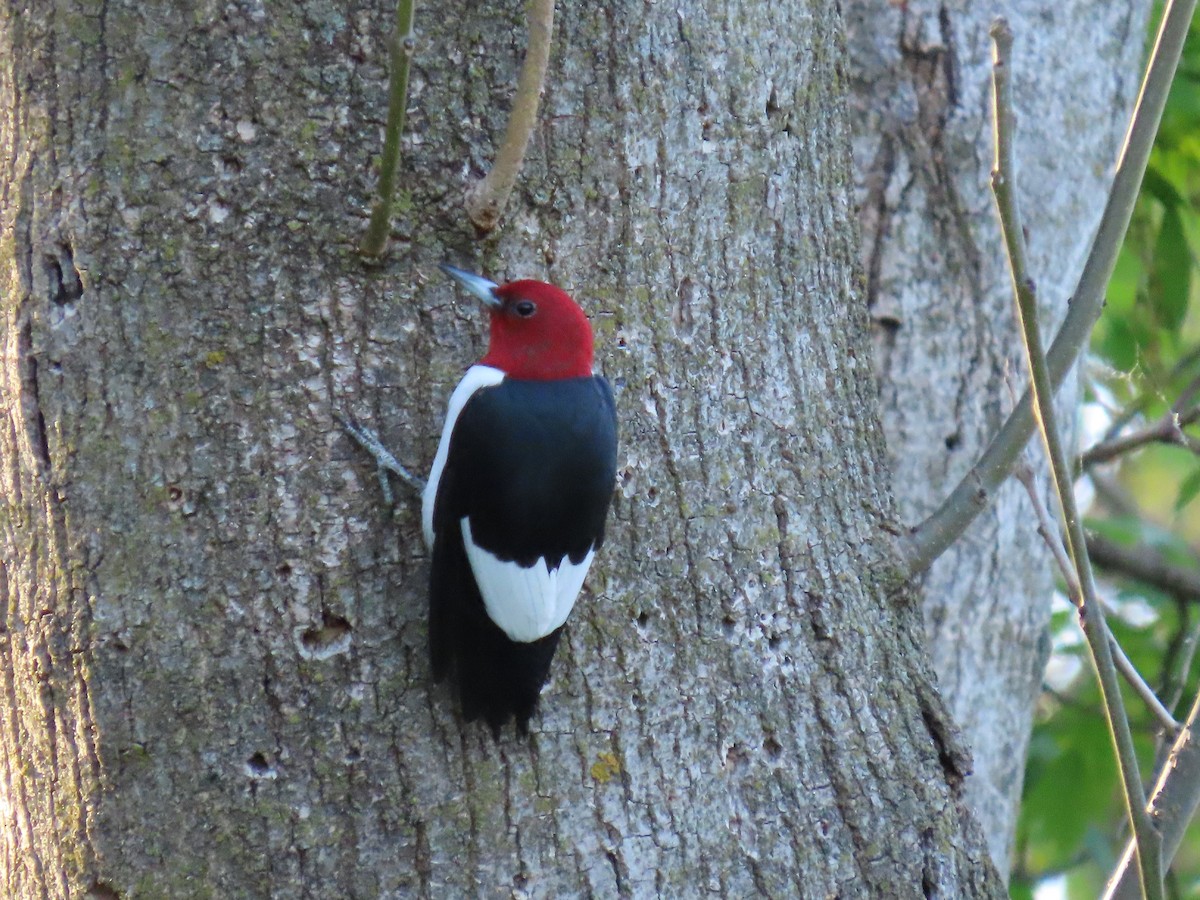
930,539
1024,474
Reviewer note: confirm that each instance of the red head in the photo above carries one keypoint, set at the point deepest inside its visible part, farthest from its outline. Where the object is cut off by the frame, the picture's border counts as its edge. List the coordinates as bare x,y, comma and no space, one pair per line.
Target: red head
538,332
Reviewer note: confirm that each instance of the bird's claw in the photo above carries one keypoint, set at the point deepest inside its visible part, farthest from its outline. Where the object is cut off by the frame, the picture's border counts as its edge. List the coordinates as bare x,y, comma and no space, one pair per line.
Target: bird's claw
384,460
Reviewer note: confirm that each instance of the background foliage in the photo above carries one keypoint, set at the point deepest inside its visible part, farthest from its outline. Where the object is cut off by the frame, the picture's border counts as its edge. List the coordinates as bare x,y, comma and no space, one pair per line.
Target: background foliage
1144,364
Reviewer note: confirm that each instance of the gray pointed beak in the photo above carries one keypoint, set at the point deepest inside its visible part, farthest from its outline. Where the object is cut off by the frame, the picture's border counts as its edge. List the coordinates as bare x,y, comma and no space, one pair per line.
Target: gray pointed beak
477,286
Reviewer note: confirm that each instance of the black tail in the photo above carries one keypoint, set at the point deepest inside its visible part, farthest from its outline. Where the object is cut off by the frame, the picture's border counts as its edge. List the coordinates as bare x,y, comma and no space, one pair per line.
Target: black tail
496,678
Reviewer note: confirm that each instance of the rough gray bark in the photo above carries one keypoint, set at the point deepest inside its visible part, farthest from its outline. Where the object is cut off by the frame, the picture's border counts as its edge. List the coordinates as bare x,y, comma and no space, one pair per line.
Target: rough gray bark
214,668
946,339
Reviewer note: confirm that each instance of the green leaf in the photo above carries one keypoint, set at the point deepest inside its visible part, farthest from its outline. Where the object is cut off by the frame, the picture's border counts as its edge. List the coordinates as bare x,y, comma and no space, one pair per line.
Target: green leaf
1125,530
1156,184
1170,280
1070,786
1117,343
1127,277
1188,490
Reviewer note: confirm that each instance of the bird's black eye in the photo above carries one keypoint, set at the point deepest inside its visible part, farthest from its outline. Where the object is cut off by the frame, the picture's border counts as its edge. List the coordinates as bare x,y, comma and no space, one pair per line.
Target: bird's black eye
525,308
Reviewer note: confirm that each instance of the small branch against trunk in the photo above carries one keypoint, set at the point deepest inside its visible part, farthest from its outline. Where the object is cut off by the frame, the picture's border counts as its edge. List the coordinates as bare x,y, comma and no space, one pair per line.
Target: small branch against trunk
1091,613
487,198
404,44
930,538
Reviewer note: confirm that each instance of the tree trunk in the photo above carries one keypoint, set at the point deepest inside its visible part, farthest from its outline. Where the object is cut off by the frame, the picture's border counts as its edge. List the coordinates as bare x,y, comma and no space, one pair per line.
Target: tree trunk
946,338
215,672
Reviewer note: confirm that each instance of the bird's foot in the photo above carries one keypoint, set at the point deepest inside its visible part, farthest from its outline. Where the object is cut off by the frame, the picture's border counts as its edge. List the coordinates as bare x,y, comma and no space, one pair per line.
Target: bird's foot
384,460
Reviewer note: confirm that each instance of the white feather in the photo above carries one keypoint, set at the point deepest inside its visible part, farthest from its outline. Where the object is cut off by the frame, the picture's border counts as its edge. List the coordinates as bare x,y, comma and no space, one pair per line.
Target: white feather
474,379
527,602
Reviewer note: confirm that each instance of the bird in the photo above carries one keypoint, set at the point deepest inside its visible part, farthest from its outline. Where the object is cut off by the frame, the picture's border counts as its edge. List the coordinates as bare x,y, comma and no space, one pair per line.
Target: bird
514,509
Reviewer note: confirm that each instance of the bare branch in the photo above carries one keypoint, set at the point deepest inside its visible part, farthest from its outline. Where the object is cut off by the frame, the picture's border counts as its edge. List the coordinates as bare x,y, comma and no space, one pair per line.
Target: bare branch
487,199
403,46
1167,430
1135,680
929,539
1173,803
1146,564
1049,534
1091,613
1024,474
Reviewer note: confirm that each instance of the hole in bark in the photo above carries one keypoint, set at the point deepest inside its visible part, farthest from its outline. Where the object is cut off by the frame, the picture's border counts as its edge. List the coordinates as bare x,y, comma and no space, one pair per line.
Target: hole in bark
102,890
772,747
736,756
889,324
66,284
258,767
643,618
330,639
773,641
772,102
953,441
283,569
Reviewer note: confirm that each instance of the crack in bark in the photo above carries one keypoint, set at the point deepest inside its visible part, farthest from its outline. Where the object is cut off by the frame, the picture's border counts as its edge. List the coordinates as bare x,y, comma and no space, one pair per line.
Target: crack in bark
875,219
677,490
953,755
31,407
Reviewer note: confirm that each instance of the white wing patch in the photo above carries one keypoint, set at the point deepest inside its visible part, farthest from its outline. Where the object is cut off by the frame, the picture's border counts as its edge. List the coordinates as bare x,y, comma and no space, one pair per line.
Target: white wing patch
527,603
475,378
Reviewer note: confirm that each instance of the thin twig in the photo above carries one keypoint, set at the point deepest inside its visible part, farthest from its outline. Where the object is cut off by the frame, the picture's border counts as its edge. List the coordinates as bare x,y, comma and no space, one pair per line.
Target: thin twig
1135,680
1177,680
1024,474
1167,430
487,199
1139,403
1146,564
1173,802
930,539
404,44
1091,613
1176,664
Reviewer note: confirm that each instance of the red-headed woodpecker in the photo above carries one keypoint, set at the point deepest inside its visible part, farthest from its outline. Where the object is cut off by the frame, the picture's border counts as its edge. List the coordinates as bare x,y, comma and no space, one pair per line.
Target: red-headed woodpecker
514,508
